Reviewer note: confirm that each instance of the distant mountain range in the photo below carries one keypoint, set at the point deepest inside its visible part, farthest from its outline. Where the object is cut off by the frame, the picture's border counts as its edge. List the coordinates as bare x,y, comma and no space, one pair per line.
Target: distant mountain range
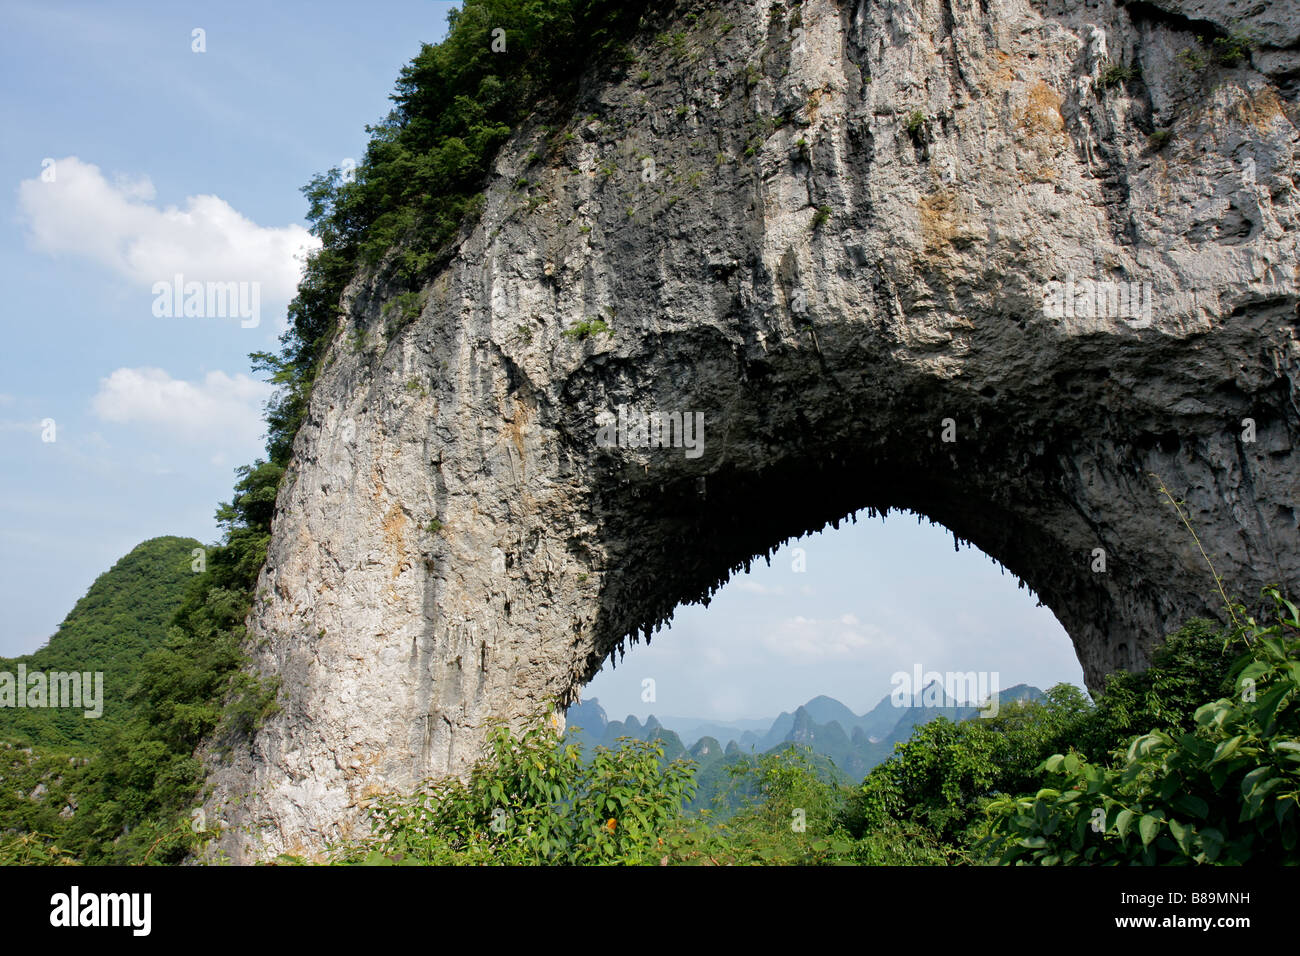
852,743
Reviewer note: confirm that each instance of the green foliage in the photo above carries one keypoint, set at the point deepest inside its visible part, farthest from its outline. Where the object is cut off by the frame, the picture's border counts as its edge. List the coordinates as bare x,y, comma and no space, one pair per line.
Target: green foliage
1230,51
39,785
134,796
790,813
34,849
821,217
1159,139
401,311
593,326
674,42
536,801
1193,60
1222,791
1233,49
125,613
938,781
1116,74
168,640
915,126
793,815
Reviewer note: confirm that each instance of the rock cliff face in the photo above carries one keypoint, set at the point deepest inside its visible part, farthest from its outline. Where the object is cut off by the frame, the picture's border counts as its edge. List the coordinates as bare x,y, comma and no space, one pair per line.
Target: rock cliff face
863,240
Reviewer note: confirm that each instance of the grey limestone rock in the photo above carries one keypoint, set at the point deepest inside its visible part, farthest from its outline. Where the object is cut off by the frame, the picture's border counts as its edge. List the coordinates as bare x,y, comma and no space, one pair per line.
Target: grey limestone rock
842,233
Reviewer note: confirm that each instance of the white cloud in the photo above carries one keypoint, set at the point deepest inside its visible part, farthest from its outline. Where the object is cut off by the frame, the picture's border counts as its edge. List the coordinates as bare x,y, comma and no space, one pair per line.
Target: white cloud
748,585
842,638
117,224
220,409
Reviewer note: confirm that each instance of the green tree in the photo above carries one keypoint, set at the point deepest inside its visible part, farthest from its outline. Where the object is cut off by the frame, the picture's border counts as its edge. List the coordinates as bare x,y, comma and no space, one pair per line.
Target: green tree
1224,791
535,800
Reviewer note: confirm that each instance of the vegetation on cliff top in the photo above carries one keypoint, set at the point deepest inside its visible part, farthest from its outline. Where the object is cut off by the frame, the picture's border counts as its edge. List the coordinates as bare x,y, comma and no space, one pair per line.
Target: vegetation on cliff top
400,211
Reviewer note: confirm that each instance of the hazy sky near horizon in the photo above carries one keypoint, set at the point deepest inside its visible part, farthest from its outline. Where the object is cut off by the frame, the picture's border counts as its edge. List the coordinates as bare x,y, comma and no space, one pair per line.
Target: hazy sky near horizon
130,158
874,597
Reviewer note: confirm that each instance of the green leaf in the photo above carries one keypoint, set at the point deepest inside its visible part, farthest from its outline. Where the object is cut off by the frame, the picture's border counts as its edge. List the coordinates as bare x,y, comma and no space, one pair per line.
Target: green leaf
1211,714
1212,842
1192,804
1282,807
1123,822
1182,836
1268,704
1254,779
1149,828
1227,748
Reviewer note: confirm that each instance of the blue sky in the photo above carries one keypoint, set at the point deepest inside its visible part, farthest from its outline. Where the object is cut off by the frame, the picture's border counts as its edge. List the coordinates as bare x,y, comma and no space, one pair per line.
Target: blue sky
131,158
165,160
873,598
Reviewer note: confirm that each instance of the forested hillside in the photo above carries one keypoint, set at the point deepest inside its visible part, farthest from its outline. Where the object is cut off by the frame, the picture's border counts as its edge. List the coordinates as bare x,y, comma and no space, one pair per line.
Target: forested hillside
125,614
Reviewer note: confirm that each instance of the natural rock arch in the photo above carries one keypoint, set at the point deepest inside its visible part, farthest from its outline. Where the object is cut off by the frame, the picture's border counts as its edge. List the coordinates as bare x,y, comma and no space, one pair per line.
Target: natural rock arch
832,293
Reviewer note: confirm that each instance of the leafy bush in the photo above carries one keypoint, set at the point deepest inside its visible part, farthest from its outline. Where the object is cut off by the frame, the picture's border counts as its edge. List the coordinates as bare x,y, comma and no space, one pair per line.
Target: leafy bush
536,801
792,817
33,849
1193,60
401,311
1116,74
915,126
1232,49
1225,791
938,778
580,330
938,781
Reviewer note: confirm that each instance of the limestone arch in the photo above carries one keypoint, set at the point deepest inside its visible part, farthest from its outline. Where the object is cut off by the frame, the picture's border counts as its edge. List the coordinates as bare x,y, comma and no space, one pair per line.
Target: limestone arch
464,550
